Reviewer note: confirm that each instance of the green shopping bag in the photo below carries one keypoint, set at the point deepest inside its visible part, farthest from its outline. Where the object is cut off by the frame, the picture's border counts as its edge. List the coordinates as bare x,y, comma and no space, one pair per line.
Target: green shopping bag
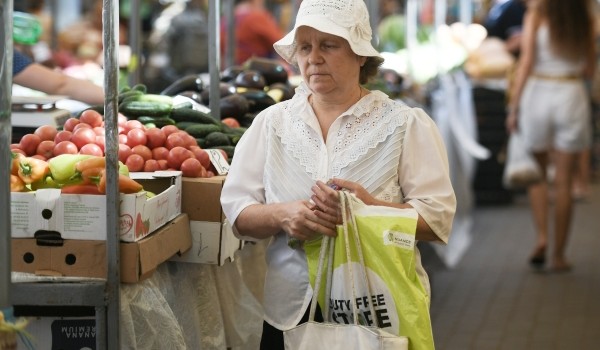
386,240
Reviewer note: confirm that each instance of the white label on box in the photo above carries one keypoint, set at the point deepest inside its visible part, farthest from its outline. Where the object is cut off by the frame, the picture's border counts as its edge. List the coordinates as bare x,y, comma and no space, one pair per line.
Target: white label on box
212,243
218,161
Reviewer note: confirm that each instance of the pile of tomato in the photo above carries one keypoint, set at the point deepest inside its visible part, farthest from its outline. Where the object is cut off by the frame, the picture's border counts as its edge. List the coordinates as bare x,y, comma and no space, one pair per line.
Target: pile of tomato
140,148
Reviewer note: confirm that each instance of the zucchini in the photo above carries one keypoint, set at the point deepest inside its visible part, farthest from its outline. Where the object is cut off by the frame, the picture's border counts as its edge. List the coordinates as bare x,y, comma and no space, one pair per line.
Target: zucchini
141,108
216,139
128,94
159,122
140,87
201,142
202,130
184,125
192,115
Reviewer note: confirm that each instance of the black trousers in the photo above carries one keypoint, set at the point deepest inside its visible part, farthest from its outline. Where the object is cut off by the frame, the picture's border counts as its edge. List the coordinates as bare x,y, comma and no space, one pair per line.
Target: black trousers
272,338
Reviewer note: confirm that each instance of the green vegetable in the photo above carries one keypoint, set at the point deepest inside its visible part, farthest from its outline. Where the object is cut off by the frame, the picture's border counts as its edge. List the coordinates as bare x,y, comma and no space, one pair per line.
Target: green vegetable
62,167
202,130
158,122
192,115
217,139
140,108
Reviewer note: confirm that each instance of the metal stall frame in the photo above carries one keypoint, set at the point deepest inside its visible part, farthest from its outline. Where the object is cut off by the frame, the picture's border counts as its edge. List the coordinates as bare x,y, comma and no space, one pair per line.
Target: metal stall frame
102,296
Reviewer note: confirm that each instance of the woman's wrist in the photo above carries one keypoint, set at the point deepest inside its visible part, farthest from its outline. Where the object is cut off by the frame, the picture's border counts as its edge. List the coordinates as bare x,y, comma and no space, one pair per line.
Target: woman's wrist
512,109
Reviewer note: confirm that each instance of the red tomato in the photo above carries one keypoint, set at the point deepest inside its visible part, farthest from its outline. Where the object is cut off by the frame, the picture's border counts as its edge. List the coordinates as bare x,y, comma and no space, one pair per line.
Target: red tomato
45,148
133,124
65,147
39,156
82,126
135,162
100,141
91,117
100,131
29,143
122,138
46,132
155,138
70,124
151,165
83,136
124,152
231,122
209,173
177,155
159,153
92,149
136,137
191,167
121,130
163,164
188,139
174,140
202,156
121,120
63,135
169,129
143,151
18,150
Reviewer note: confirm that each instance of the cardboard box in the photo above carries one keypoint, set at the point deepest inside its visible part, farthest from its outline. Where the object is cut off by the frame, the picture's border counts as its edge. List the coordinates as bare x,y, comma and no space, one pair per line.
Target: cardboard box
212,243
84,216
213,240
85,258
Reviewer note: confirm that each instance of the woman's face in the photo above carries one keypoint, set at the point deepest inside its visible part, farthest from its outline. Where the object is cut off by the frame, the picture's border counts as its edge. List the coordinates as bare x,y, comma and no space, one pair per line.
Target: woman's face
327,63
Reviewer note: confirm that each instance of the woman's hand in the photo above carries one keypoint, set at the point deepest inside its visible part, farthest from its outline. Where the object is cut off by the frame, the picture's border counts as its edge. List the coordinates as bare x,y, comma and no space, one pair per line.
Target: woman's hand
300,221
512,121
357,189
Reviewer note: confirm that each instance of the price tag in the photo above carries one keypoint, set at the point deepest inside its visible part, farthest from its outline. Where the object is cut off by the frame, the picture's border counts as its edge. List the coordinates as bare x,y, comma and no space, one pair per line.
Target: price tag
218,161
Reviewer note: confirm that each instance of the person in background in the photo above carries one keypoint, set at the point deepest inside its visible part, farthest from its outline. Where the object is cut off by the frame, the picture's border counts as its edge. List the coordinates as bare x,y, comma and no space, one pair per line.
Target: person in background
505,21
332,130
255,31
550,106
38,77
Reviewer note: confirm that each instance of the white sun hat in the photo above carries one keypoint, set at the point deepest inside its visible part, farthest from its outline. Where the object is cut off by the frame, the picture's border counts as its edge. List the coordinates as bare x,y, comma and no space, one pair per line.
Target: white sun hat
348,19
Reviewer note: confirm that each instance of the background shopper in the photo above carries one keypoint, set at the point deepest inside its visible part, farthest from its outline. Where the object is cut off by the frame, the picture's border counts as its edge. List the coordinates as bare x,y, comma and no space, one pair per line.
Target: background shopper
550,105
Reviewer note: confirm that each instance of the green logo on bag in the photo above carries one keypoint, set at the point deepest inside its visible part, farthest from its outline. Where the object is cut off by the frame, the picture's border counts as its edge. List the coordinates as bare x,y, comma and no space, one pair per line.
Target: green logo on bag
399,239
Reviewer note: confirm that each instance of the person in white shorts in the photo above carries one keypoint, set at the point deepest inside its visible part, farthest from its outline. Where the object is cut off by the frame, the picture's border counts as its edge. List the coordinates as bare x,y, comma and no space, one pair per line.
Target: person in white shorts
551,107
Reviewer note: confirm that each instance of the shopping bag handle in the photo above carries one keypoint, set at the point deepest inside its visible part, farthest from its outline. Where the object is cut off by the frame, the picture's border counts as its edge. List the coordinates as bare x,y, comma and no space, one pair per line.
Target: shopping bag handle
327,249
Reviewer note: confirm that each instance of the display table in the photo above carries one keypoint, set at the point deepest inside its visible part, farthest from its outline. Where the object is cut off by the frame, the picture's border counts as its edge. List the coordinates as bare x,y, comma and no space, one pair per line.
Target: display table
188,306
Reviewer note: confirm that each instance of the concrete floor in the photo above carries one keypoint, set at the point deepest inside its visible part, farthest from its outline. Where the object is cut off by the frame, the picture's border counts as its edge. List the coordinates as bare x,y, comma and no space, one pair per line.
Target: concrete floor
493,300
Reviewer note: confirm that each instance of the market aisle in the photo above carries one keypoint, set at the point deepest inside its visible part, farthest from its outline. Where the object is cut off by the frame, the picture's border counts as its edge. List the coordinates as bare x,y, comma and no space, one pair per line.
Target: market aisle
492,300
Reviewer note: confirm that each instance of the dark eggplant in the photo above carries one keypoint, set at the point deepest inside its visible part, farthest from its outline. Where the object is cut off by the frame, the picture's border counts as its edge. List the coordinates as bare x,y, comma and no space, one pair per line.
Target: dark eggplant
192,82
194,95
272,70
257,99
286,91
230,73
233,106
225,89
250,79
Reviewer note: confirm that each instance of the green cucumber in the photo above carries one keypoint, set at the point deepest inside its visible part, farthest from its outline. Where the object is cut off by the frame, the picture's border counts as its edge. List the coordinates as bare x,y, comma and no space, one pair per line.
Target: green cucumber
140,108
202,130
192,115
216,139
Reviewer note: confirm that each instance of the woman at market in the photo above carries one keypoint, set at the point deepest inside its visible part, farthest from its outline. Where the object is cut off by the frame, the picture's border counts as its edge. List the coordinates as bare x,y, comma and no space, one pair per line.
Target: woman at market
333,129
551,107
38,77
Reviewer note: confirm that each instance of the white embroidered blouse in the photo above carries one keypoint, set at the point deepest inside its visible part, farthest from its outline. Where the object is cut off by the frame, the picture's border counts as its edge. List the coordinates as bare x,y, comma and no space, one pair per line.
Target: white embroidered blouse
395,152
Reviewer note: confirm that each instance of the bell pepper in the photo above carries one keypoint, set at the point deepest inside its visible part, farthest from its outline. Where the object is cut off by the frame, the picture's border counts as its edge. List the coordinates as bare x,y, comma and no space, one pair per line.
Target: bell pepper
62,167
127,185
17,184
46,182
14,169
32,169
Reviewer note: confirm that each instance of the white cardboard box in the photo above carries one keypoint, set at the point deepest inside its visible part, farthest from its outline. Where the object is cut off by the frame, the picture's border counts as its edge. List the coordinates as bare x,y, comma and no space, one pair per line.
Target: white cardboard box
76,216
212,243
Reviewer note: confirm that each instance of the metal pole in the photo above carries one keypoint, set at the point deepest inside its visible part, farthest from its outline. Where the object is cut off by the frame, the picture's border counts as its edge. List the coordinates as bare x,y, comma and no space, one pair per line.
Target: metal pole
214,57
110,31
6,65
466,11
135,30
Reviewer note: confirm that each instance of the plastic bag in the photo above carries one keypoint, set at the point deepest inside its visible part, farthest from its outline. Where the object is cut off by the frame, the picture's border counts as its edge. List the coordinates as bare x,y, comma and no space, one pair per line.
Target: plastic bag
521,170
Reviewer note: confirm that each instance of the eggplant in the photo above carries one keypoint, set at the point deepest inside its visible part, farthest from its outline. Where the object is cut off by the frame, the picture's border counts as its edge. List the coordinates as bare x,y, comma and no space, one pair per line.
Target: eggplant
272,70
257,99
284,90
194,95
191,82
250,79
225,89
233,106
230,73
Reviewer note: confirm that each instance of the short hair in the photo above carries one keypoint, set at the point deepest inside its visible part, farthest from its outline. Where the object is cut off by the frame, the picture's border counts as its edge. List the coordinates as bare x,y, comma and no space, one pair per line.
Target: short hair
370,69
